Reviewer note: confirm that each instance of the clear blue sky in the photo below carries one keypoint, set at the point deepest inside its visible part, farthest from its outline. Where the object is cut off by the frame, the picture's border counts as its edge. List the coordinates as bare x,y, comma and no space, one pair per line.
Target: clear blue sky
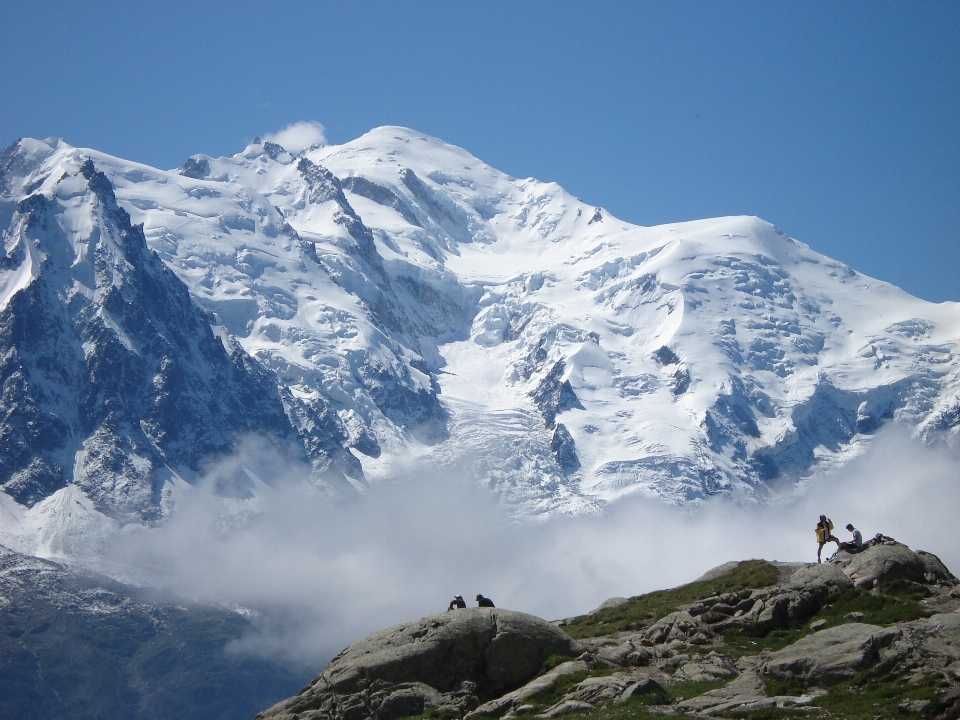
837,121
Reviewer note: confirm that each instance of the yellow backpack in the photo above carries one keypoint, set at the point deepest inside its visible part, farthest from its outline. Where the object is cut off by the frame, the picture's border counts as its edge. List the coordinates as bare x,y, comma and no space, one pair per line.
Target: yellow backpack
821,535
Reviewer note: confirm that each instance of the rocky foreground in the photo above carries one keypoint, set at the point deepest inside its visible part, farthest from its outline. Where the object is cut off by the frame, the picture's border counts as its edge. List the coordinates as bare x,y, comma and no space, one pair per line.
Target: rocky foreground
873,634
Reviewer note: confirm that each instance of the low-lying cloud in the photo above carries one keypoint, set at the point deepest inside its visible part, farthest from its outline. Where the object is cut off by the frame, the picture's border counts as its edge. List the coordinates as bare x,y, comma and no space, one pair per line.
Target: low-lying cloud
322,574
299,136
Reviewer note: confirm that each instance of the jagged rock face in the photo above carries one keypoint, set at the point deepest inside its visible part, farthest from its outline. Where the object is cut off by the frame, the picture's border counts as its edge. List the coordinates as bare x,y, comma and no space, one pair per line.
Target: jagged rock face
116,380
457,659
110,371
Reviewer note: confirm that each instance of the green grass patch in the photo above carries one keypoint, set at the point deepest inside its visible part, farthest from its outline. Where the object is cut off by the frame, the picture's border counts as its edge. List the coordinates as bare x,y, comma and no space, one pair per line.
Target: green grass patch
552,695
553,661
866,701
686,690
738,643
642,610
432,713
773,713
891,605
780,687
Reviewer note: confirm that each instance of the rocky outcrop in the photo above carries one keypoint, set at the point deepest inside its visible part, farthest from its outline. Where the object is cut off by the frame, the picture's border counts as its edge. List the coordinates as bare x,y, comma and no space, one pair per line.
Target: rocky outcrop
830,656
804,592
481,664
890,560
453,661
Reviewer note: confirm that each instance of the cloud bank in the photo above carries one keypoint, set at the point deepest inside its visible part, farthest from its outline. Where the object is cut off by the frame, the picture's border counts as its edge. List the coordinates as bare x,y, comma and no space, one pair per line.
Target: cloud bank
299,136
321,575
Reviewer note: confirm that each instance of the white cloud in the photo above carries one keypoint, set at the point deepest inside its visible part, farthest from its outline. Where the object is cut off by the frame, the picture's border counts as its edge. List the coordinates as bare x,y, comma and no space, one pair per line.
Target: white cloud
324,574
299,136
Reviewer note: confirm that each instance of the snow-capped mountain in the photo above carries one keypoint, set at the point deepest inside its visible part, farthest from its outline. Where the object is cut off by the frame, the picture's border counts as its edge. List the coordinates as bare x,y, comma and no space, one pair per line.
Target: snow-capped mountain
396,298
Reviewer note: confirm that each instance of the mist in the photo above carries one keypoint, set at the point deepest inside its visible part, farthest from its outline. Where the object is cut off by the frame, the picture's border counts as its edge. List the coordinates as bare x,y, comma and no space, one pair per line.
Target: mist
316,575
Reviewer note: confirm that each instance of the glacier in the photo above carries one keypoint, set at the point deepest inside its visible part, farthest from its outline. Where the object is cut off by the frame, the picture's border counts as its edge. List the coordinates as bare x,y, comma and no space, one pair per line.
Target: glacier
394,300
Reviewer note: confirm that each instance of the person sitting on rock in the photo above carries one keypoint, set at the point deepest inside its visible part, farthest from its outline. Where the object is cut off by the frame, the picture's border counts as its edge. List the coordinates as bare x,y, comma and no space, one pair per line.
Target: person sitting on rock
855,545
484,602
457,602
824,526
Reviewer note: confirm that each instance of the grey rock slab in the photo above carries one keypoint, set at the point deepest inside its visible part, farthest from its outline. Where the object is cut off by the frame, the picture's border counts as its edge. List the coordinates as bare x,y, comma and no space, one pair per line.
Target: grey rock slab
610,603
616,655
746,688
817,575
882,562
935,641
829,656
915,706
638,688
494,650
500,647
595,690
516,698
936,570
565,707
713,667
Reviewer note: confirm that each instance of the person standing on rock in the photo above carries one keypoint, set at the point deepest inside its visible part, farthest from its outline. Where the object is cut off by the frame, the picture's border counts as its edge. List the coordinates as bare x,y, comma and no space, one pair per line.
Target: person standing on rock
457,602
484,602
824,526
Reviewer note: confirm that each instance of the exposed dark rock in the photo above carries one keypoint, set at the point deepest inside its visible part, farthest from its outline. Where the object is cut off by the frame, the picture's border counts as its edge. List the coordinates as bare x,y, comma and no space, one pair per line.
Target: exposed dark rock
130,375
666,356
324,187
425,196
196,168
275,151
380,195
681,381
553,395
565,449
414,408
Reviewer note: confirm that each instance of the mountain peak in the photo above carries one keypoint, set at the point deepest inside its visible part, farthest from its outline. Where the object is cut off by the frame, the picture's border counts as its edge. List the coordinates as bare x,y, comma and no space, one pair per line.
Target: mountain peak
395,295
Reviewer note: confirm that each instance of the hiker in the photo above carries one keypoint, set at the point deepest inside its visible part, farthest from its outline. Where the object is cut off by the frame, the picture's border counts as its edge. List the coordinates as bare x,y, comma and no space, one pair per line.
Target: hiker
457,602
855,545
484,602
824,526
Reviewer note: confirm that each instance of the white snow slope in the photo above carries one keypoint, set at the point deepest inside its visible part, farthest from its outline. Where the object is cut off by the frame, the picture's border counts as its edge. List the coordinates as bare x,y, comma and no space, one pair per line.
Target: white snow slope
576,357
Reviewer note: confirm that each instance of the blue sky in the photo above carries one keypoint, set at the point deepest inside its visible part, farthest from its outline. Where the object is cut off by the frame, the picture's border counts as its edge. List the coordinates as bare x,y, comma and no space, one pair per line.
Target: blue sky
837,121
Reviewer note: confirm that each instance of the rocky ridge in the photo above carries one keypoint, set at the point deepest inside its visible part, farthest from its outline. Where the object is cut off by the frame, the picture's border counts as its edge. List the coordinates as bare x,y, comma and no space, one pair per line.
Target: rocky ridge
692,660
